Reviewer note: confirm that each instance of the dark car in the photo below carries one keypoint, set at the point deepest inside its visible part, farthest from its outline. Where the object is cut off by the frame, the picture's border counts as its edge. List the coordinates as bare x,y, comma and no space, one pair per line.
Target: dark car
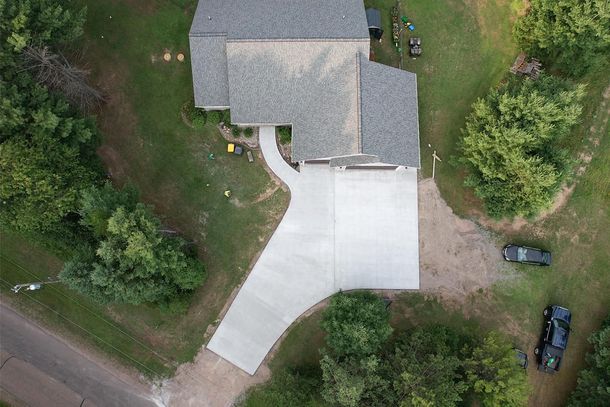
526,255
554,340
521,358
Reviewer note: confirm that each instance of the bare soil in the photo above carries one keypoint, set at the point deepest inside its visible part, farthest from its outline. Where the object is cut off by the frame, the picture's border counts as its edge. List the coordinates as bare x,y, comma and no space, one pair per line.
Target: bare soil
457,257
210,381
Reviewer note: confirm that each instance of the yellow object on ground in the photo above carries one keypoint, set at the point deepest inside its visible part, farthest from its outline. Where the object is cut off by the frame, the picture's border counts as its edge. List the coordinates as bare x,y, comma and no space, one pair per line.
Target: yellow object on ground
228,193
230,148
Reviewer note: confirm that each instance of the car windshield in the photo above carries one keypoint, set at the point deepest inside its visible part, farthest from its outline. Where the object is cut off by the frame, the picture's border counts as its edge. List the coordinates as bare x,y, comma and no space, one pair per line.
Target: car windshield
558,323
521,254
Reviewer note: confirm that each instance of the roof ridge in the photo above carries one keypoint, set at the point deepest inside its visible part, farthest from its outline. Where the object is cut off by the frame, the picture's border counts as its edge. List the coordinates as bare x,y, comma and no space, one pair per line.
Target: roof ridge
296,39
359,102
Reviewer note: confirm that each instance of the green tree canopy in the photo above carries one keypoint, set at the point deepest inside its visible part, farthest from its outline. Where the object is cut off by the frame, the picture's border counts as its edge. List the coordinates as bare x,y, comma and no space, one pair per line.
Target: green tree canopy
494,375
47,22
356,324
572,33
511,144
352,382
593,387
98,204
134,262
286,389
426,368
46,158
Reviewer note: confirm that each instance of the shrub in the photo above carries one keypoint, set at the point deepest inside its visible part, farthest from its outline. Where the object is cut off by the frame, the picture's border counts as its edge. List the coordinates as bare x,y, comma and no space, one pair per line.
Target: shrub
285,134
248,131
225,116
214,117
198,121
235,131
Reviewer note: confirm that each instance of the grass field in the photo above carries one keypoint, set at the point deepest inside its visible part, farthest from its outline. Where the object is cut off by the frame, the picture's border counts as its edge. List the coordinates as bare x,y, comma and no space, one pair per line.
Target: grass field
145,142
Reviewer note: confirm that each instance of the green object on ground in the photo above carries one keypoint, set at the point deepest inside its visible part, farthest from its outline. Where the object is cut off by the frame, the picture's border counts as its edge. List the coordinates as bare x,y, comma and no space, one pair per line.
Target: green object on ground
404,19
211,156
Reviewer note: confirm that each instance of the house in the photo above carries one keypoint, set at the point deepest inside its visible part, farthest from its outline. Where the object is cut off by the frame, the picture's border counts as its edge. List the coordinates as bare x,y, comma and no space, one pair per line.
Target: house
373,19
305,63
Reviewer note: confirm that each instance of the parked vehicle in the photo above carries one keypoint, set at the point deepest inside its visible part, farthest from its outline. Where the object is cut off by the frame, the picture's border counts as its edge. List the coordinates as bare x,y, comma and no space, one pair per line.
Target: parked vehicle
554,340
521,358
526,255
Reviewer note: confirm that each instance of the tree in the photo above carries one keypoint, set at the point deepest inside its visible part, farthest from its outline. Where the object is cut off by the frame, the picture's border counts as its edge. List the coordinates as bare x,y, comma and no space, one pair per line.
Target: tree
47,22
134,263
286,389
97,205
356,324
352,382
46,157
593,387
511,144
426,369
572,33
494,375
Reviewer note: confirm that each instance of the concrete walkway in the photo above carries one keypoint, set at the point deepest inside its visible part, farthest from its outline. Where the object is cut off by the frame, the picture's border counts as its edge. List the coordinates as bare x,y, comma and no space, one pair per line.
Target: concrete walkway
343,230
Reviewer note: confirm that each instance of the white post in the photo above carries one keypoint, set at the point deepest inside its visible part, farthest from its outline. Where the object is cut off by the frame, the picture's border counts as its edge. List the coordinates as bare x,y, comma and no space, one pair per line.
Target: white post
434,158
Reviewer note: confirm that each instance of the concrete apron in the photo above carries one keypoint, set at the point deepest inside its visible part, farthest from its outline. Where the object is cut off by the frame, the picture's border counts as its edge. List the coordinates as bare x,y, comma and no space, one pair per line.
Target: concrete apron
343,230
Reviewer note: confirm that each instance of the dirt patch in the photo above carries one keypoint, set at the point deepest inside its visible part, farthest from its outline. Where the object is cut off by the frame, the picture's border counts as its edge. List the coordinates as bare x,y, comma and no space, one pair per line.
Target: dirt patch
457,257
268,193
209,381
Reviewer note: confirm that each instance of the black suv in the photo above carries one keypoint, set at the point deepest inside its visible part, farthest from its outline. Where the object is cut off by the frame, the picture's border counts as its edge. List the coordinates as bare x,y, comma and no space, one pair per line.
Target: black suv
526,255
554,338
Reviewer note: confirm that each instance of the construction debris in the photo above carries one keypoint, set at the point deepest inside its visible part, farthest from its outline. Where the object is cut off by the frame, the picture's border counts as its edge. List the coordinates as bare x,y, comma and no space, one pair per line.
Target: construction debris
530,69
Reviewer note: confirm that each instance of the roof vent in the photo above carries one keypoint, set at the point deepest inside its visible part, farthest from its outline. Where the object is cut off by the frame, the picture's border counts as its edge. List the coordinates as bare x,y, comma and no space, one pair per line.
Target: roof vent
209,17
343,17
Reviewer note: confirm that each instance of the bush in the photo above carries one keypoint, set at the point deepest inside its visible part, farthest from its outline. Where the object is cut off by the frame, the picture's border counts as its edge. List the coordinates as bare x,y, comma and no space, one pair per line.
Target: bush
248,131
235,131
214,117
198,121
512,144
225,117
285,133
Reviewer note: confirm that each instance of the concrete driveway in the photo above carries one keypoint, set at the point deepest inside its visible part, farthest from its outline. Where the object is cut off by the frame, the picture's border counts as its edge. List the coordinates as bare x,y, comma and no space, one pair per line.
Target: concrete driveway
343,230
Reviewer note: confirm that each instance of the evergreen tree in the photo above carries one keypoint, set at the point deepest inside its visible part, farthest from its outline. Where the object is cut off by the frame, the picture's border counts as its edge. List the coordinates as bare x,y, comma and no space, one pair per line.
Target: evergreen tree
511,144
572,33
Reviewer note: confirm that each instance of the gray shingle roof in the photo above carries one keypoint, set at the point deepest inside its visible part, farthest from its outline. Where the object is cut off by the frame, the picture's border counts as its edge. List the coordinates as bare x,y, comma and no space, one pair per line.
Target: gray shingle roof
304,62
281,19
209,65
389,113
312,85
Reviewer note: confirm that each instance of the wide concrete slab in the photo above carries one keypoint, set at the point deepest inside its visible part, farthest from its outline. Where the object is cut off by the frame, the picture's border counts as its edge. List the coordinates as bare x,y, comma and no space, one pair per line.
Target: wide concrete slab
343,230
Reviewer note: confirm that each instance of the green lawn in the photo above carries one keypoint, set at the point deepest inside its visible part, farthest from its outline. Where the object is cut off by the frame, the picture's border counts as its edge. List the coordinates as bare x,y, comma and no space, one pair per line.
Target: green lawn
145,142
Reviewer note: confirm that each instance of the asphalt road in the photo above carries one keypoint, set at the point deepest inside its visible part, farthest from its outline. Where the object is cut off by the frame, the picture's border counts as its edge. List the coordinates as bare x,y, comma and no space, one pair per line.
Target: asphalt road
41,369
